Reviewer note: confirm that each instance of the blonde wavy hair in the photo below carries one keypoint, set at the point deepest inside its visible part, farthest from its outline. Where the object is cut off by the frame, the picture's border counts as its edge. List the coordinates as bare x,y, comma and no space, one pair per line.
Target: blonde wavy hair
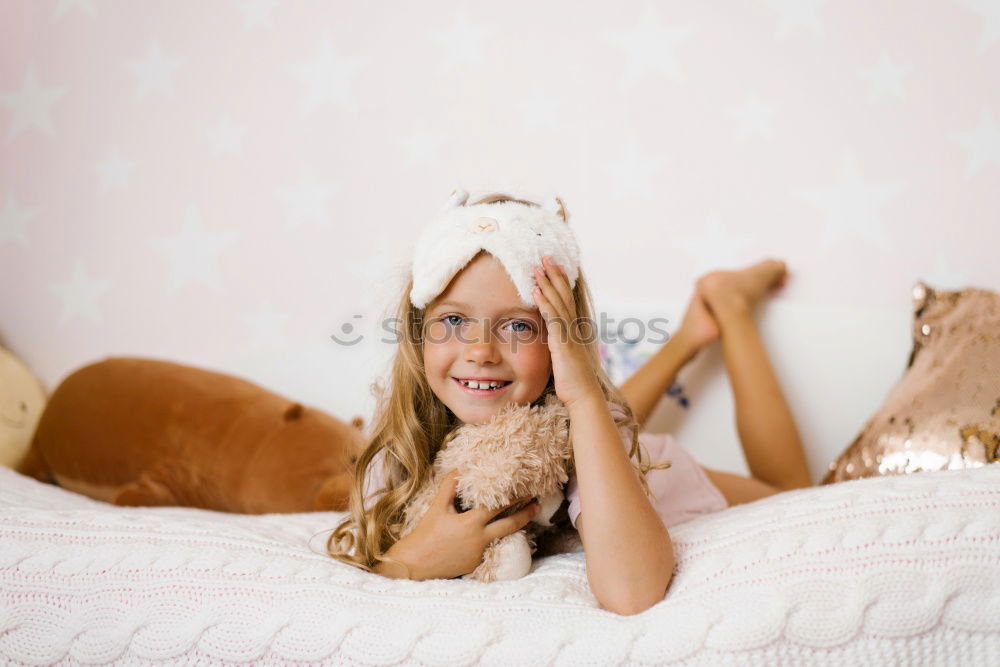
411,424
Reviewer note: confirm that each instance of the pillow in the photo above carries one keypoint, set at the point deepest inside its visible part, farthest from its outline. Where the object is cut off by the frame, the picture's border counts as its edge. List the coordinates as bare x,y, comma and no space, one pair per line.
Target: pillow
944,413
146,432
22,399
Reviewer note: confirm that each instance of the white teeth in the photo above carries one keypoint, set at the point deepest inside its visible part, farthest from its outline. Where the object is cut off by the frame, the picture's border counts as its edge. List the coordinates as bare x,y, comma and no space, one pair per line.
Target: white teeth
474,384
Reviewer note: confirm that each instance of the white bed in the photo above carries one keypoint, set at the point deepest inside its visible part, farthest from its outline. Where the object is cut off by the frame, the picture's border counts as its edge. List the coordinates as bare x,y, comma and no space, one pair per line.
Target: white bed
898,570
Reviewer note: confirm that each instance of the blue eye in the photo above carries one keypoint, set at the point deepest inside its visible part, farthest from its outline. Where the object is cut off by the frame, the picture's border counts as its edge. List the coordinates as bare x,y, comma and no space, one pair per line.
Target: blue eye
526,325
519,326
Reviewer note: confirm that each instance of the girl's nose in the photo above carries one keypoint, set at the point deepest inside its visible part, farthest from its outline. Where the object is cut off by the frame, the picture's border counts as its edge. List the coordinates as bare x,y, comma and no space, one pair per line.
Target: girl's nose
482,353
481,345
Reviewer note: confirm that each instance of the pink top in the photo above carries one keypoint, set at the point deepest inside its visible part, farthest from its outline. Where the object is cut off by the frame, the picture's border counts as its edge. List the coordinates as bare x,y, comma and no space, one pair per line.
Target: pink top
680,493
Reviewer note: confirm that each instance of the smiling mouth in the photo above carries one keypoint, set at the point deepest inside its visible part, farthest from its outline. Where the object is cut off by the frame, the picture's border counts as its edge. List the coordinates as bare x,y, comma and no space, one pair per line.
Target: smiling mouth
487,388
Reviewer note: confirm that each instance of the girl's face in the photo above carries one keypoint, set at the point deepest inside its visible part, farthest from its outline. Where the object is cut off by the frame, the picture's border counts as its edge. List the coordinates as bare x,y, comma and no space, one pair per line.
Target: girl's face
479,329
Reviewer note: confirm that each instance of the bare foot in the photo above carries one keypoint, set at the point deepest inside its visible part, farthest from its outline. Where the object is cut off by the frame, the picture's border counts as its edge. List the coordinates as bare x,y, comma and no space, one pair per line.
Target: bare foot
724,291
698,328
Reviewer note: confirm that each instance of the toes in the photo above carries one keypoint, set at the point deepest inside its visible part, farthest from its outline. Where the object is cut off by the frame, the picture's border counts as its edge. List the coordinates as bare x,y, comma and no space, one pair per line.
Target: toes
782,270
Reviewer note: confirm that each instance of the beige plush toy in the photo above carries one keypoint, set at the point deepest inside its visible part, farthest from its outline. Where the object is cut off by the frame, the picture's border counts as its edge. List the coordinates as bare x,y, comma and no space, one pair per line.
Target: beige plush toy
22,400
521,451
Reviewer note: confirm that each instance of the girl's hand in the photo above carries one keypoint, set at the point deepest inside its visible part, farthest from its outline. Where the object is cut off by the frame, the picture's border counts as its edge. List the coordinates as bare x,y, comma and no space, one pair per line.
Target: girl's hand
447,544
574,374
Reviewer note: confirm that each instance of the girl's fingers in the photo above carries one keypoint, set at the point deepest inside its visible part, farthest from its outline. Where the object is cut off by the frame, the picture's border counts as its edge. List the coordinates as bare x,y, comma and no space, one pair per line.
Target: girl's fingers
550,293
559,280
512,523
551,313
551,319
491,514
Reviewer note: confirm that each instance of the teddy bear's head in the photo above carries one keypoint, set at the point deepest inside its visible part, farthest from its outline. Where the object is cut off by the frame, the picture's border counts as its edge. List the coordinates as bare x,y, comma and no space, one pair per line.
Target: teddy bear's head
522,450
22,399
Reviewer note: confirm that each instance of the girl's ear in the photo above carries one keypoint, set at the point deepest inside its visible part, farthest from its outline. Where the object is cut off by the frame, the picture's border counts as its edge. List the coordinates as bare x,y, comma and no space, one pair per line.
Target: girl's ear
554,204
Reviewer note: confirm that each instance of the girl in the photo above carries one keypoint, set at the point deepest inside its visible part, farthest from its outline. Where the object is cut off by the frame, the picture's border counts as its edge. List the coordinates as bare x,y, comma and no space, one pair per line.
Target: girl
504,327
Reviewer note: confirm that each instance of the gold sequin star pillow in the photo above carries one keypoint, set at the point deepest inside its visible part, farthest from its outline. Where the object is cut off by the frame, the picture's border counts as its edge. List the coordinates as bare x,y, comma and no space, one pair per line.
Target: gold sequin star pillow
944,413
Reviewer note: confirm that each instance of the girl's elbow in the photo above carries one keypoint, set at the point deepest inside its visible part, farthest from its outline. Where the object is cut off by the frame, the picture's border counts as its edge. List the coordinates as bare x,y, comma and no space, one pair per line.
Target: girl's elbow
638,604
656,590
628,610
642,593
640,601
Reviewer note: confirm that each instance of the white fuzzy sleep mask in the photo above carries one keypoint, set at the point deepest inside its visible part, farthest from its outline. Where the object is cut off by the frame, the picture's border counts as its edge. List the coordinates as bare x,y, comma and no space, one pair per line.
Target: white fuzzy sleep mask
516,234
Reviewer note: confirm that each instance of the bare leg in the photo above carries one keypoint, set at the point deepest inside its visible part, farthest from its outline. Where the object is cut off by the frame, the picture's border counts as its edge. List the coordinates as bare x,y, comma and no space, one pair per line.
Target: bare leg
738,489
722,305
646,386
766,428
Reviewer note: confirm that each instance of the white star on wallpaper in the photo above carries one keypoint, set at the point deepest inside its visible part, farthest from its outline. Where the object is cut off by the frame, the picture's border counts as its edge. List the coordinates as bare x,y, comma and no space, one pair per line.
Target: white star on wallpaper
64,6
306,200
12,219
31,106
650,46
631,175
945,276
715,246
257,12
754,117
982,144
850,206
990,11
885,78
193,254
421,147
327,77
266,325
154,72
462,42
79,295
797,13
539,108
226,137
114,171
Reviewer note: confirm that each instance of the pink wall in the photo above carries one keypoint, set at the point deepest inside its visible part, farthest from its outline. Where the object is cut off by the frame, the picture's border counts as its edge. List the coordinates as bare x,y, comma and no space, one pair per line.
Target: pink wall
225,184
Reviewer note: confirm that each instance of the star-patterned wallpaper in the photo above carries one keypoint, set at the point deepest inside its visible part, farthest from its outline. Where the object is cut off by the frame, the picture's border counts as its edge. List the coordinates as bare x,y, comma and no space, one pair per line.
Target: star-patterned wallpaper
231,183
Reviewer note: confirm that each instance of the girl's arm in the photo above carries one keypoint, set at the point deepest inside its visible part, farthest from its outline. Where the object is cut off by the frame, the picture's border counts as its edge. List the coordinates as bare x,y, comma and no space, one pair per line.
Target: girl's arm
630,559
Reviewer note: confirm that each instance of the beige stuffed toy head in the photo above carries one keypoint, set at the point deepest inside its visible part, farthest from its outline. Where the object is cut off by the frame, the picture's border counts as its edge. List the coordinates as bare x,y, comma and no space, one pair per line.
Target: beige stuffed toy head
22,399
521,451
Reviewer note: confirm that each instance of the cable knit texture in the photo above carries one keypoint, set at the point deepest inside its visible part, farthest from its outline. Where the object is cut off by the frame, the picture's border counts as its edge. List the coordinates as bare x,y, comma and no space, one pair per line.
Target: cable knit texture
890,570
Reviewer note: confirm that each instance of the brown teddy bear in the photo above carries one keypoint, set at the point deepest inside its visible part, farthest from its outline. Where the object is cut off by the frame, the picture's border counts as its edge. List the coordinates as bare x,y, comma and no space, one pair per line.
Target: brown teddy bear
147,432
521,451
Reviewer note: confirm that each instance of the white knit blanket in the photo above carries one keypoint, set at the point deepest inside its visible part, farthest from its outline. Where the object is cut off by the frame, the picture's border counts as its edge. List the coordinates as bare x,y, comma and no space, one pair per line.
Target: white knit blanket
898,570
